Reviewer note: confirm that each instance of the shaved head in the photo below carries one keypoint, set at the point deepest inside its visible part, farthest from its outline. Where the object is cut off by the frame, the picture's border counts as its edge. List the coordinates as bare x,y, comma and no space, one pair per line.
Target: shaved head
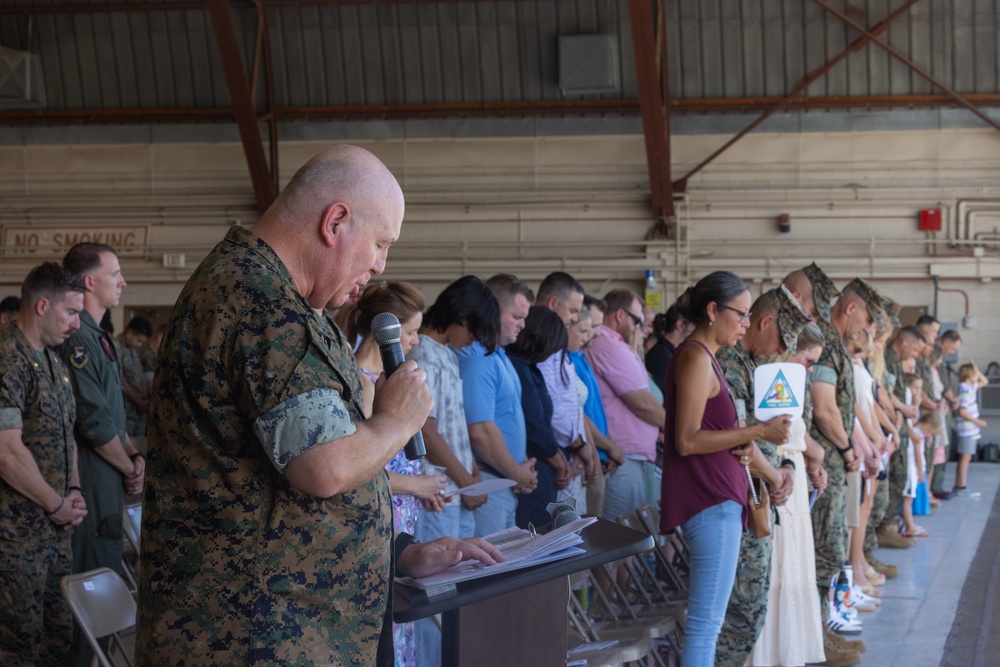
334,222
799,285
340,173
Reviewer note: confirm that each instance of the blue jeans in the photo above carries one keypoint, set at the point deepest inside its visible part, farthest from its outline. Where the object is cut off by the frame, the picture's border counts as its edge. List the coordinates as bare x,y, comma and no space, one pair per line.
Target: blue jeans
714,536
452,521
497,513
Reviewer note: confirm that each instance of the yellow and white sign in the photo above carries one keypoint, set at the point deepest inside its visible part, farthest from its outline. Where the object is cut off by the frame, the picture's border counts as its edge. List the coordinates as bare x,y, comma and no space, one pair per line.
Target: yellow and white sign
778,389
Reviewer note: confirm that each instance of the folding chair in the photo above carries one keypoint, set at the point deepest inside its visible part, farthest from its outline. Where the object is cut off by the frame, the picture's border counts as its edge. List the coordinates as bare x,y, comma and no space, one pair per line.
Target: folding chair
130,555
671,576
586,643
650,518
103,607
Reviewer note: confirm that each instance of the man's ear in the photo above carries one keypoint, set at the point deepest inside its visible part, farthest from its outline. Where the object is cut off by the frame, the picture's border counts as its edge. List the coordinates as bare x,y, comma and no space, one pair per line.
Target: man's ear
765,322
41,306
331,222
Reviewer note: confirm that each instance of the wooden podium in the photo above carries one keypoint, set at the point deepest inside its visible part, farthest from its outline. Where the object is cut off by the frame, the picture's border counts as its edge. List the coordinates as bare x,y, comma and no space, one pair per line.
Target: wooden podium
516,618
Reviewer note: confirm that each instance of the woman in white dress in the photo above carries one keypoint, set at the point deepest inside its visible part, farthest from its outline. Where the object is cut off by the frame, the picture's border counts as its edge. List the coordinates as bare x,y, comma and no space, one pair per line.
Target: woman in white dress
793,630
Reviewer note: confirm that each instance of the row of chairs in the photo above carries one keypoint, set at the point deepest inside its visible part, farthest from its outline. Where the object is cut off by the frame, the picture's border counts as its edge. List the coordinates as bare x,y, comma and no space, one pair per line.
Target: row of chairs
642,611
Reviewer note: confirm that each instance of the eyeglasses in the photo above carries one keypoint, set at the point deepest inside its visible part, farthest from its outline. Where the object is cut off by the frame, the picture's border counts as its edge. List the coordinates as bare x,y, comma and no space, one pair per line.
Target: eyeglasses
639,322
744,314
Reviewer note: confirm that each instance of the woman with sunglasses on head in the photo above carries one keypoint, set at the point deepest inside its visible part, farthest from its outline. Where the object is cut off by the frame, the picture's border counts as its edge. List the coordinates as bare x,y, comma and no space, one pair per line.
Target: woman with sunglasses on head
793,630
705,482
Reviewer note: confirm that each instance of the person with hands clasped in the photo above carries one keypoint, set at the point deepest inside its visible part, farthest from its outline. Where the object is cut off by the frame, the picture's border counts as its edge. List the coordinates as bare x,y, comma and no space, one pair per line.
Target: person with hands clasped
491,391
705,486
40,496
773,323
856,312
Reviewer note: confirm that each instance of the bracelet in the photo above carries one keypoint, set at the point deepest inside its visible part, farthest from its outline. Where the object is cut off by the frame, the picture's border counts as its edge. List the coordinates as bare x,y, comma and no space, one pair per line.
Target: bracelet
787,462
135,456
77,489
62,501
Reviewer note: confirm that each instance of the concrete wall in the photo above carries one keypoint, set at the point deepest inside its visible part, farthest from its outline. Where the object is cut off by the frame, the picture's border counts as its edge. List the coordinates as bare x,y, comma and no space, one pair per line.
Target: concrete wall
530,205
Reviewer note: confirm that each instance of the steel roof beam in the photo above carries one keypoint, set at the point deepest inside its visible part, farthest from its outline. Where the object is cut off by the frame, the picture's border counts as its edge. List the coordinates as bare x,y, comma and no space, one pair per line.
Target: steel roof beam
531,109
962,101
243,104
652,97
805,82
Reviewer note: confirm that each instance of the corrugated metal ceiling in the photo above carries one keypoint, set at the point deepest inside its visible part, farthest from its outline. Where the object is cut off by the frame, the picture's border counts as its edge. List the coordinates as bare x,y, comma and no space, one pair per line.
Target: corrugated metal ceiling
347,55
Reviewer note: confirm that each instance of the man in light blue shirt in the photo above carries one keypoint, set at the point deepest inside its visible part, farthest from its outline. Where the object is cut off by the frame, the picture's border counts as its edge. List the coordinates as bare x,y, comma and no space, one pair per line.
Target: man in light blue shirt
492,394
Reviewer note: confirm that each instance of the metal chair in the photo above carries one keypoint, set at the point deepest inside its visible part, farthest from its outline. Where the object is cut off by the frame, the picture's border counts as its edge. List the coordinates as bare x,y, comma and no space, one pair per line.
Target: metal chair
131,519
103,607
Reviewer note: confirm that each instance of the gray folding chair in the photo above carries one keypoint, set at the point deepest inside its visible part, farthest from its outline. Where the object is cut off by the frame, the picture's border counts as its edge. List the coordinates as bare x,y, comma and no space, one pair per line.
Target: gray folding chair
103,607
130,554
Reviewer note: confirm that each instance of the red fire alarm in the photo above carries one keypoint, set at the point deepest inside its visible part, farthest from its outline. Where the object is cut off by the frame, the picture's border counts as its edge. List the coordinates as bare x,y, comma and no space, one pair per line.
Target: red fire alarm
930,220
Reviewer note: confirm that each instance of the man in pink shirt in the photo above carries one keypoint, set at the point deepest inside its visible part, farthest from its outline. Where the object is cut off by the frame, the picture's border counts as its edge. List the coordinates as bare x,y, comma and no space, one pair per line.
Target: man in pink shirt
634,415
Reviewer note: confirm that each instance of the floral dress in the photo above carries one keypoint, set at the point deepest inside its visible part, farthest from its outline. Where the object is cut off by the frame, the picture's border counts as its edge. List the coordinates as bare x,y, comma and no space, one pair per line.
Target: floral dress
404,519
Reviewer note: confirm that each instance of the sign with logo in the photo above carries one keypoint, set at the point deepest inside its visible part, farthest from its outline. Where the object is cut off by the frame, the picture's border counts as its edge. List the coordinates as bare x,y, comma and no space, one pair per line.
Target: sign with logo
778,389
40,242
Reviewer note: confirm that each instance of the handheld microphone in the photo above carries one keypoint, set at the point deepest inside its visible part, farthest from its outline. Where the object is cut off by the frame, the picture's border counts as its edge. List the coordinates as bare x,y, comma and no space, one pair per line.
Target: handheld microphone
563,512
387,331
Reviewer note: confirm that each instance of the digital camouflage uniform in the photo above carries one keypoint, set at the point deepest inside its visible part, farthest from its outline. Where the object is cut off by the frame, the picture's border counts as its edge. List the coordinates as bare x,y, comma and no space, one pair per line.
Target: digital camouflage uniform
828,512
881,501
824,291
238,566
135,421
36,626
747,607
895,381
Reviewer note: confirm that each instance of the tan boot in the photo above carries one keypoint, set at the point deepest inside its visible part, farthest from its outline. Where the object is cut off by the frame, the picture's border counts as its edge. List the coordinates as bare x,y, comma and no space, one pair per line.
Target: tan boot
890,538
840,656
833,640
888,571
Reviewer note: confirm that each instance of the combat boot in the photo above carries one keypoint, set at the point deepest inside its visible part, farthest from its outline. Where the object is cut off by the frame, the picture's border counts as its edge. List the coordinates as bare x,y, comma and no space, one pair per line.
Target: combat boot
890,538
840,656
833,640
886,570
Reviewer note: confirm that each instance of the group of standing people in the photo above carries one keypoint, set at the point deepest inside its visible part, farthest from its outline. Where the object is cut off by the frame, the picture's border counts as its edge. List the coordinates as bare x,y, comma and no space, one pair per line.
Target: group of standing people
66,458
790,594
278,504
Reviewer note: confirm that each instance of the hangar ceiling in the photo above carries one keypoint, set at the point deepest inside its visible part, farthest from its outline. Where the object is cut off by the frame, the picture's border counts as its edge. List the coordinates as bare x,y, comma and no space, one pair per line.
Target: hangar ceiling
267,63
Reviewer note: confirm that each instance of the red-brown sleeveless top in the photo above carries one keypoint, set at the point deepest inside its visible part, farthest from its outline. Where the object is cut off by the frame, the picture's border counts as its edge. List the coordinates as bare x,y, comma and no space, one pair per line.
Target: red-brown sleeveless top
697,482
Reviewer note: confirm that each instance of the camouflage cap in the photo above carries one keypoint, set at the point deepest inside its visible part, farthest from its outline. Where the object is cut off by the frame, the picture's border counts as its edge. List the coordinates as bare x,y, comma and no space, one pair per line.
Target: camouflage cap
891,310
871,299
790,316
824,291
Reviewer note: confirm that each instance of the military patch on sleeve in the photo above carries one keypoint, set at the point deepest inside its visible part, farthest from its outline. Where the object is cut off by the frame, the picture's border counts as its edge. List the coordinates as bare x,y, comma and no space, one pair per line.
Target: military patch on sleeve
78,356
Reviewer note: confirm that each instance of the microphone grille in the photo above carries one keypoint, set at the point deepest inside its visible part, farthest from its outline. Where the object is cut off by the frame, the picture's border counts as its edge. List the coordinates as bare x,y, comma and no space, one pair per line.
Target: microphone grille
386,328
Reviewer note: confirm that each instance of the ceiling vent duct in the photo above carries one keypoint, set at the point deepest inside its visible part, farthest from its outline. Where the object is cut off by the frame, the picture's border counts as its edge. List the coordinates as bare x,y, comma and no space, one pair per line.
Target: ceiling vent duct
20,80
588,64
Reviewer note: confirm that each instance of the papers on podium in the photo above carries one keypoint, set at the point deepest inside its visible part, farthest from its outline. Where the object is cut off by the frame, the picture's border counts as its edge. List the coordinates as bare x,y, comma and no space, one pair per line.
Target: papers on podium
520,550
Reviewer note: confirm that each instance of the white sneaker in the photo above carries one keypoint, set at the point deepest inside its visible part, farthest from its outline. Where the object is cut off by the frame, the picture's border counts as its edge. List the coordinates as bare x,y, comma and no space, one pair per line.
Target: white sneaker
841,622
861,601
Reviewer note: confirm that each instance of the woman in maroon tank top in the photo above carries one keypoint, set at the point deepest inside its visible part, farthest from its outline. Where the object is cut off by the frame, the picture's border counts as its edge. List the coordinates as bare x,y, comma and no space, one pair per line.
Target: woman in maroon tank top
704,480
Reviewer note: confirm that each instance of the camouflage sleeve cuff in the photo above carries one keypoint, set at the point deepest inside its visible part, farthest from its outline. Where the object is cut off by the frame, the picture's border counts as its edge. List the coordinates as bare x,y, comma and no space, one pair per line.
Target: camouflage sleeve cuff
824,374
10,418
302,422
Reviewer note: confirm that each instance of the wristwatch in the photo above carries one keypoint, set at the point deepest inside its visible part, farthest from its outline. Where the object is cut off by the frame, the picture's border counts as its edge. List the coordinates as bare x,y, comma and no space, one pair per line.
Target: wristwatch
402,541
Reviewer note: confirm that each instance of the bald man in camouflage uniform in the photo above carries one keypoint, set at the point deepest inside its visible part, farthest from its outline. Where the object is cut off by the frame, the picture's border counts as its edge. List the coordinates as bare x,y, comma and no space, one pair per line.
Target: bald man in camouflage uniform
267,526
775,324
40,497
